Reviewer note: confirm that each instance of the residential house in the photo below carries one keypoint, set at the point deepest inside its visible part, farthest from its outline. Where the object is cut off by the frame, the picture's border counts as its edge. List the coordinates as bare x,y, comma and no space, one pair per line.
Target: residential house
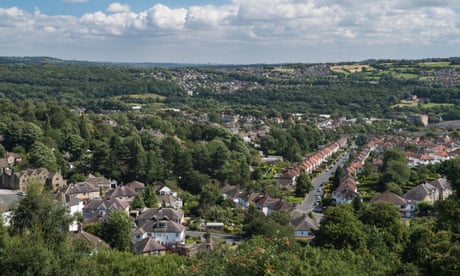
304,226
18,180
101,182
148,246
423,192
98,209
406,207
346,191
93,241
137,186
443,186
170,201
83,191
166,232
156,214
122,192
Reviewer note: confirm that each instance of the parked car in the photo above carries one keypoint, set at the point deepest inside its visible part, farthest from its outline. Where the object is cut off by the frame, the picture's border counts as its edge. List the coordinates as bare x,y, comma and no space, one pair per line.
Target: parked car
21,193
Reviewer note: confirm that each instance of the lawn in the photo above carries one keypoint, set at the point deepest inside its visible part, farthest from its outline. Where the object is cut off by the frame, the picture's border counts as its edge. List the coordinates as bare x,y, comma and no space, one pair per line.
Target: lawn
142,96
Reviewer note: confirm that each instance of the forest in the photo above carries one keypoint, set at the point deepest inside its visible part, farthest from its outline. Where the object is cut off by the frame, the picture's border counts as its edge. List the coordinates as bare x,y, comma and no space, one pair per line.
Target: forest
79,119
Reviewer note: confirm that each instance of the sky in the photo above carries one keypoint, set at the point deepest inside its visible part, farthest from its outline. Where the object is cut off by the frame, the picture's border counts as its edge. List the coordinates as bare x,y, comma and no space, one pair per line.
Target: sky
230,31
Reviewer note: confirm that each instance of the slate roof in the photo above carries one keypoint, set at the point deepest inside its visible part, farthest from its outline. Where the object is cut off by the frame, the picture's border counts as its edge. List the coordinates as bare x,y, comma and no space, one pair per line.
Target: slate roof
147,245
90,239
121,191
420,192
304,223
79,188
390,197
101,204
161,214
136,186
161,226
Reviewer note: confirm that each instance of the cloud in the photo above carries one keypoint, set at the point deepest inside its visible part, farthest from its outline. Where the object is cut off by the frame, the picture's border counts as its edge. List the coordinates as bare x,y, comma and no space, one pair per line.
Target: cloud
244,26
164,17
117,7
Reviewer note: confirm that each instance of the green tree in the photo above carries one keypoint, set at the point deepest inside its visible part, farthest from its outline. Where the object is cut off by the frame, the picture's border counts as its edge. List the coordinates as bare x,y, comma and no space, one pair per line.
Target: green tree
37,213
340,229
386,217
150,198
138,202
41,156
303,185
117,230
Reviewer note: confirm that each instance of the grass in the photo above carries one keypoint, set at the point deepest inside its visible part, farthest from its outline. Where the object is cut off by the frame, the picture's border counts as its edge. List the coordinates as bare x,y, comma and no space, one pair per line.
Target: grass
424,106
293,199
435,64
142,96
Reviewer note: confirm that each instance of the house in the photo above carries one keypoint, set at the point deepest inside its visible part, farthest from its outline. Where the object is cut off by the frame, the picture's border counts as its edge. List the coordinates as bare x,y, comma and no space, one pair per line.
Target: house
102,207
122,192
304,226
170,201
161,189
423,192
137,186
83,191
443,186
155,214
148,246
101,182
13,158
346,191
18,180
89,239
166,232
406,207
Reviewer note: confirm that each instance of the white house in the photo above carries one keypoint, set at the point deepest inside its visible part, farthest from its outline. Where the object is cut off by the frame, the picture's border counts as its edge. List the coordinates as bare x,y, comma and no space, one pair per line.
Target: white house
163,231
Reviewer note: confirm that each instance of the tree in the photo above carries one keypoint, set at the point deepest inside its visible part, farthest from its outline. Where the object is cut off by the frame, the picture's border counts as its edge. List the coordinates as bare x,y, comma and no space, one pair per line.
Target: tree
150,198
386,217
340,229
138,202
303,185
117,230
451,168
42,157
37,213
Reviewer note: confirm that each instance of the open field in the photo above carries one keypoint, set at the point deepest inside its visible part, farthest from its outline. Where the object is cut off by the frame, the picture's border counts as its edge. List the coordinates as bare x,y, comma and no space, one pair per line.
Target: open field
353,68
424,106
142,96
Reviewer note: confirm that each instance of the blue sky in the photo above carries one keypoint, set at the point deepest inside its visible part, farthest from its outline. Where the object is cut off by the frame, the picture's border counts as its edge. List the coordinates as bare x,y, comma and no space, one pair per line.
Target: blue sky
230,31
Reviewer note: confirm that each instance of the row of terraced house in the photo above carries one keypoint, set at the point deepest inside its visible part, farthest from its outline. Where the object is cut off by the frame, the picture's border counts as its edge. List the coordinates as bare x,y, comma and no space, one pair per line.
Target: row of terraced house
311,163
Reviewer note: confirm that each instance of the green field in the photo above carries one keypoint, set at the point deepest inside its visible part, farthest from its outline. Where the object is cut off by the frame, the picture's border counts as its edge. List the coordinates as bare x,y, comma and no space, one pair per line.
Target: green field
142,96
424,106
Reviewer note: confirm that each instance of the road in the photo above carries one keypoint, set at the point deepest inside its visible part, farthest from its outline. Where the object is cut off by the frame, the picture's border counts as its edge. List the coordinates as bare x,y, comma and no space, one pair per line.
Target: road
7,196
307,205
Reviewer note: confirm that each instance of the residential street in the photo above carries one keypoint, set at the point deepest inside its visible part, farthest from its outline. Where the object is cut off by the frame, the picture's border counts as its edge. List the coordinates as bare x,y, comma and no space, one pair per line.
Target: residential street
307,205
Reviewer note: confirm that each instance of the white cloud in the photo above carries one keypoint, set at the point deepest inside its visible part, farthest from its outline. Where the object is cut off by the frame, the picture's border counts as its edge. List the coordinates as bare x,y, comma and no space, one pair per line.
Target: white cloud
244,26
117,7
164,17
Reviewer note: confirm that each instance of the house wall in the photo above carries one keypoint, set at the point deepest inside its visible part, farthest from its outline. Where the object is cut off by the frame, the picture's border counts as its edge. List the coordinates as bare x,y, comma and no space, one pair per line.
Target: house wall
303,234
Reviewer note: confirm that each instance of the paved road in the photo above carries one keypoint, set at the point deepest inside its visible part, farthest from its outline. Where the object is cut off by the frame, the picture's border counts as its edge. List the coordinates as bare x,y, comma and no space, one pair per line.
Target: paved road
307,205
7,196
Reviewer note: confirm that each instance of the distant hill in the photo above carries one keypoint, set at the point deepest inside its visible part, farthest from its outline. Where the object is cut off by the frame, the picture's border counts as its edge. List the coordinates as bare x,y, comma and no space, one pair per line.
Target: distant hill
57,61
